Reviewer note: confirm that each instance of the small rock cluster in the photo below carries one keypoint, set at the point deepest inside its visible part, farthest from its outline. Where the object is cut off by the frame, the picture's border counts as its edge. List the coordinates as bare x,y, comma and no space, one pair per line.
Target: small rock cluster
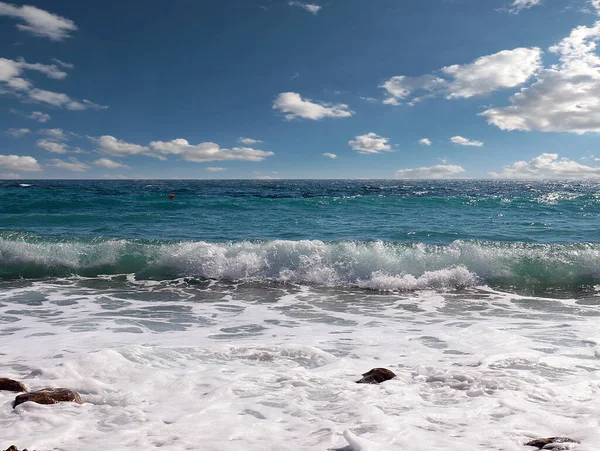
44,396
379,375
551,442
374,376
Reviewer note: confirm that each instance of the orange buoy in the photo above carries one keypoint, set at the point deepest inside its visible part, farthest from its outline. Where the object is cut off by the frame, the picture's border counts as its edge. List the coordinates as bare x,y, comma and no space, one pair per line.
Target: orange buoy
171,196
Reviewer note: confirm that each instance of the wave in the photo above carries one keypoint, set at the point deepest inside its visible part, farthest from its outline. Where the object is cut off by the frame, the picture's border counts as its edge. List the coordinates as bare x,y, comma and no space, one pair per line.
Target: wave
377,265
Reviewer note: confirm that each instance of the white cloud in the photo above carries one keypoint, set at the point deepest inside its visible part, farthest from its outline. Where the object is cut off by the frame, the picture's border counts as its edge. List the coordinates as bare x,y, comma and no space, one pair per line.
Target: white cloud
39,22
11,82
215,169
310,7
17,132
330,155
52,146
425,142
401,86
505,69
109,164
61,100
370,143
207,151
72,165
39,116
54,133
18,163
548,166
115,147
369,99
249,141
202,152
11,69
519,5
440,171
63,64
465,142
565,97
294,106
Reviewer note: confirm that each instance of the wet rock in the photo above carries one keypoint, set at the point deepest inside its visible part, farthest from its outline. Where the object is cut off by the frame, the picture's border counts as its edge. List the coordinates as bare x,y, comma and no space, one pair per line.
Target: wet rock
376,376
49,396
11,385
546,443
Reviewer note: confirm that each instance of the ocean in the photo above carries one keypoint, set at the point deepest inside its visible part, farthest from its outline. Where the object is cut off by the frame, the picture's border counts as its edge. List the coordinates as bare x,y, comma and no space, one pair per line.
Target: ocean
239,314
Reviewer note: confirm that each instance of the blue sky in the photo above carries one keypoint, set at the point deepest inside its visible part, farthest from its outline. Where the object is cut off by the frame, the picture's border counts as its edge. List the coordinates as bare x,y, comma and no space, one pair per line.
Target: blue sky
300,89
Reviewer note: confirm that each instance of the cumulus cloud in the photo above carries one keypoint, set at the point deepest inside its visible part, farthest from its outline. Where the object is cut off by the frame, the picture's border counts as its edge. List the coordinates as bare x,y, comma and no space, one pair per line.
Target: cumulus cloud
54,133
370,143
118,148
440,171
39,116
52,146
249,141
519,5
17,132
330,155
19,163
294,106
203,152
72,165
548,166
465,142
109,164
425,142
400,87
12,82
310,7
565,97
505,69
39,22
215,169
206,151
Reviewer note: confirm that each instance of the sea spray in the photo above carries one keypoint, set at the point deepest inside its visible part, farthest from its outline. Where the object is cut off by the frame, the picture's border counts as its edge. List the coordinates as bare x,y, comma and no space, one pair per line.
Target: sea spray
375,265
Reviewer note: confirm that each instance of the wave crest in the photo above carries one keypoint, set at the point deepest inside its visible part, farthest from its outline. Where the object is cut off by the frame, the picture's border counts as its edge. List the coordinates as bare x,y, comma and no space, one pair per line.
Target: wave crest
374,265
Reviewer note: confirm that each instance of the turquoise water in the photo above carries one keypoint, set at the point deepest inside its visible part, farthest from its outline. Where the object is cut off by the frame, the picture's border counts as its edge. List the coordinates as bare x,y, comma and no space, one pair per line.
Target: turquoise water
365,233
365,210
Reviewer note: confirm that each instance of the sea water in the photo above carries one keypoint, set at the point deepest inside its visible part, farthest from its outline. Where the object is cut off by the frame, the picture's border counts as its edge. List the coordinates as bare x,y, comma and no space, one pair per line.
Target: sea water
238,315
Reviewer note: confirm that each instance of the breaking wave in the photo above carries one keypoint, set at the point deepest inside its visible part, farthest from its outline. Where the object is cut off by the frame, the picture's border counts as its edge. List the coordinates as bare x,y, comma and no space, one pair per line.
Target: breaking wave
377,265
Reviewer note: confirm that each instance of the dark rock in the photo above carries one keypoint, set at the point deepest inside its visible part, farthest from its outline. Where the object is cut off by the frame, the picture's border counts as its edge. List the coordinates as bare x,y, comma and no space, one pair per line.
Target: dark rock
376,376
541,442
49,396
13,448
11,385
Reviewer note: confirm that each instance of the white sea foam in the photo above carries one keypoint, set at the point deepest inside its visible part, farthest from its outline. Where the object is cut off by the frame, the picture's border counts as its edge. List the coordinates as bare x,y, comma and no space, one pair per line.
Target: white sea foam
222,366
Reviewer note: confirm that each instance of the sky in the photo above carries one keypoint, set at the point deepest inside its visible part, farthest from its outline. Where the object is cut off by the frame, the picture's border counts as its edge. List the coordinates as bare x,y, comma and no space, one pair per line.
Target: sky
317,89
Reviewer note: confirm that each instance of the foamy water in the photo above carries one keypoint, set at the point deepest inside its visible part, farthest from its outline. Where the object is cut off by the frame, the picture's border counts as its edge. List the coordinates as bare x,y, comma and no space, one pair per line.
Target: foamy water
192,364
